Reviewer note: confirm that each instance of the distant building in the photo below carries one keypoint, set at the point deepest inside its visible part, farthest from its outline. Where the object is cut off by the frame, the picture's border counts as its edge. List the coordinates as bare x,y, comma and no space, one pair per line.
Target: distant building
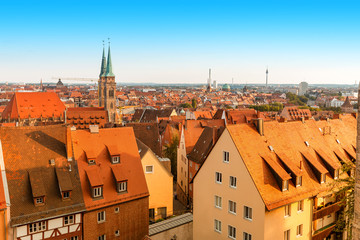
82,118
295,113
303,87
226,88
347,107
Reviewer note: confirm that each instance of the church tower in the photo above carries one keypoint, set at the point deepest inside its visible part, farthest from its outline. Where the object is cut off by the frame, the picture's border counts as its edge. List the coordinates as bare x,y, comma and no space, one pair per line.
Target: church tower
101,84
110,89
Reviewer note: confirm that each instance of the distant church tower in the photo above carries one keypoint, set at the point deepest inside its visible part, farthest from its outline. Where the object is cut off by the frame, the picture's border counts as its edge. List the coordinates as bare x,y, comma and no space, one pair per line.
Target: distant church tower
208,88
107,87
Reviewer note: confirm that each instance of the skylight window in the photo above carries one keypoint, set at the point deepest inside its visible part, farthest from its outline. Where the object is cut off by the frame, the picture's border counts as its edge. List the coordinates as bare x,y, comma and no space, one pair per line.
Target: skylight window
307,144
271,148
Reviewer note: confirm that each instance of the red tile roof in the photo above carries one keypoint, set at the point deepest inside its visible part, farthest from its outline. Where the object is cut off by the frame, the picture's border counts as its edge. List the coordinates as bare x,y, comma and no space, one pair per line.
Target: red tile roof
34,104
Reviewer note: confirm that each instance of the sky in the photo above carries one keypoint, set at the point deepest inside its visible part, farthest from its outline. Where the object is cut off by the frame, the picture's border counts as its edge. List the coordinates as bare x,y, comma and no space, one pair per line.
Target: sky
177,41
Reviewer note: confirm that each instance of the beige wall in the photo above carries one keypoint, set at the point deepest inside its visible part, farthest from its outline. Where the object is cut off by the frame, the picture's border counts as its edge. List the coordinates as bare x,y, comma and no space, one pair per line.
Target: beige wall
182,165
245,194
160,184
276,223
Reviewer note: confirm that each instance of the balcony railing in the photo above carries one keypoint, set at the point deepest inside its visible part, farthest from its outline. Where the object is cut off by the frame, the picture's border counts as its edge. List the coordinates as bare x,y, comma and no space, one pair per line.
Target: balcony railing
323,232
322,212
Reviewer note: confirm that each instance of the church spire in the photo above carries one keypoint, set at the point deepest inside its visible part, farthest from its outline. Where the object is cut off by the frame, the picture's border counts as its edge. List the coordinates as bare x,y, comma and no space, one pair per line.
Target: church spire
103,63
109,72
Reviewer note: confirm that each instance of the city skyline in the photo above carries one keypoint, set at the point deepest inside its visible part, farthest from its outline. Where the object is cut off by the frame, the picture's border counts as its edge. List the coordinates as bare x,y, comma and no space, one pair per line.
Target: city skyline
177,42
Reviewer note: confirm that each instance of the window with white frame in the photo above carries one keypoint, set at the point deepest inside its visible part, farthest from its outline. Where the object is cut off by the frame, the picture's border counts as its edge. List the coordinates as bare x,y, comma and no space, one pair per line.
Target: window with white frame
288,210
117,233
299,230
232,207
69,220
301,206
102,237
218,202
323,178
66,195
101,217
287,235
149,169
232,182
115,159
190,163
285,185
37,227
247,236
97,192
116,210
39,200
226,157
231,232
190,175
122,186
217,225
247,213
298,181
218,177
336,174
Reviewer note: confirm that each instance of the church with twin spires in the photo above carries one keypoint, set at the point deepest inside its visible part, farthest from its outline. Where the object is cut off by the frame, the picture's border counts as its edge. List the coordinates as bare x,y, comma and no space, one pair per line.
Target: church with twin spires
107,87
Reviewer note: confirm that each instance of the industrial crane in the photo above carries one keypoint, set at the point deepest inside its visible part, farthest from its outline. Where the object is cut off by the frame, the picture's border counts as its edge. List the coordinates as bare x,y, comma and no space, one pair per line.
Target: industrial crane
76,79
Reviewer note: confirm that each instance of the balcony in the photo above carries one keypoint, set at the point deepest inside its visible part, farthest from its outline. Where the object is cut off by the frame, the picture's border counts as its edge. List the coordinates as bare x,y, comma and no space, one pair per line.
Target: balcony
323,232
322,212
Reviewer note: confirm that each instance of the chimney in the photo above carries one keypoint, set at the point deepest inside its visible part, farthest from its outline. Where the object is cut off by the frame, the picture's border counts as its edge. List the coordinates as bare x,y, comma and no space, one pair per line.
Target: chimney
302,119
94,128
259,123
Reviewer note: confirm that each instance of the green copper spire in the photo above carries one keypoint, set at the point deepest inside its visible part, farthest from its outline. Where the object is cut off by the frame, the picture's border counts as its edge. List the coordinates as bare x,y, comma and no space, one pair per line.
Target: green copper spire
103,64
109,72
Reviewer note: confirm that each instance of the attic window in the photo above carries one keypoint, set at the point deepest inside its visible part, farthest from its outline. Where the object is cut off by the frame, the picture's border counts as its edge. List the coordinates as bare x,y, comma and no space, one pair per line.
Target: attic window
307,144
115,159
39,200
285,185
65,195
323,178
91,161
299,181
336,174
122,187
97,192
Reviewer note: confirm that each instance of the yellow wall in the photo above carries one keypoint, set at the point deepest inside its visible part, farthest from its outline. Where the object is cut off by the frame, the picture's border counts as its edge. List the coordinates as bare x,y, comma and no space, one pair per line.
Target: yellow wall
160,184
182,165
245,194
276,222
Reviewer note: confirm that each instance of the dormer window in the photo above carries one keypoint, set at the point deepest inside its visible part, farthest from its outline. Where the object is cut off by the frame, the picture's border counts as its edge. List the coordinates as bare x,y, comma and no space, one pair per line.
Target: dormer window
65,195
298,181
323,178
115,159
91,161
122,187
39,200
65,184
97,192
336,174
285,185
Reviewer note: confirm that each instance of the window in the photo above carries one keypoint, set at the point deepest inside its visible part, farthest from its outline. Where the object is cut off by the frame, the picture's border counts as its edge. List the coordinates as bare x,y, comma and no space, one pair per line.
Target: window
101,217
226,157
149,169
97,192
39,200
301,206
247,236
102,237
122,187
190,187
69,220
91,161
299,230
288,210
217,226
218,177
336,174
298,181
285,185
232,207
37,227
287,235
66,195
232,182
190,175
196,167
323,178
116,210
74,238
117,233
231,232
218,202
115,159
190,163
247,213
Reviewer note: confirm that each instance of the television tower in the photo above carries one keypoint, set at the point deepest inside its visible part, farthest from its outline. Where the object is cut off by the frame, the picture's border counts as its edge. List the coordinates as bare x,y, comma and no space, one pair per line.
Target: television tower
209,81
267,73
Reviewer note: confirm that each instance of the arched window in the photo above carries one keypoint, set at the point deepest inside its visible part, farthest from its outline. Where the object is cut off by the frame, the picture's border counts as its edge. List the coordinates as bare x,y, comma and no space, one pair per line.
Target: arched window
111,93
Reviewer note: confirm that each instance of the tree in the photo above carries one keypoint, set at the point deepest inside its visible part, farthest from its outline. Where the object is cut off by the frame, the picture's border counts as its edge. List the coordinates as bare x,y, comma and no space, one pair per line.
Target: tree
193,103
170,152
344,189
185,105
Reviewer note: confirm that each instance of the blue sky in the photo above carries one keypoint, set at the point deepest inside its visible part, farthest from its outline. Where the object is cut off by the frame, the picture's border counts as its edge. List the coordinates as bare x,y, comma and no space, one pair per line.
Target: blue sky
178,40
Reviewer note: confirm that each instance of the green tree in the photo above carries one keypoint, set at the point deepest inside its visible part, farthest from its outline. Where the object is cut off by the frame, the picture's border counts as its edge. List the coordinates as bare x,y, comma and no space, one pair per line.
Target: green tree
193,103
185,105
344,189
170,152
